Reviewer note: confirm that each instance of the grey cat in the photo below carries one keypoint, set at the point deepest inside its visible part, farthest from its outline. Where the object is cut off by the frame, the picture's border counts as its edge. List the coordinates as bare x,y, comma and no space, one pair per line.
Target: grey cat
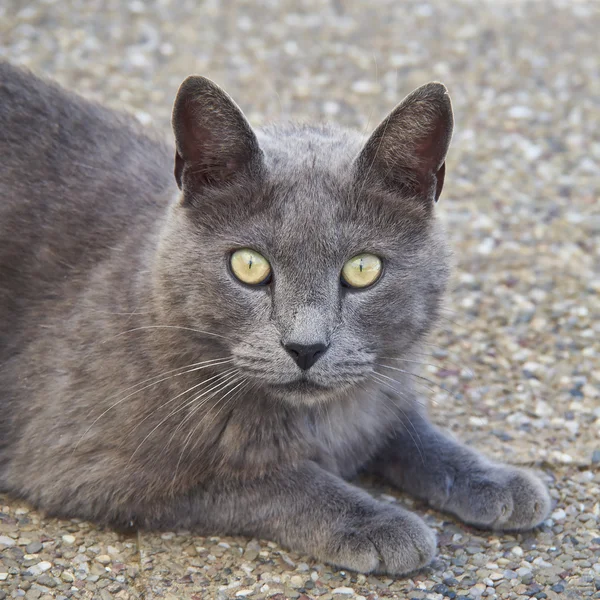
222,351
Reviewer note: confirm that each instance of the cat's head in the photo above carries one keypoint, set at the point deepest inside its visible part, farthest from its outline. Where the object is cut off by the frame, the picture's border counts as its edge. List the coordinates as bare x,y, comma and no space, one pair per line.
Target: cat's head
307,254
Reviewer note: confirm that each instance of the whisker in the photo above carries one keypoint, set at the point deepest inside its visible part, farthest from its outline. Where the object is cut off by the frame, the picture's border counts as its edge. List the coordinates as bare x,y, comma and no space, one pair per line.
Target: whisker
193,431
426,364
163,421
191,367
418,377
192,401
204,382
201,331
416,362
418,447
443,360
244,383
449,310
447,319
423,385
196,409
203,364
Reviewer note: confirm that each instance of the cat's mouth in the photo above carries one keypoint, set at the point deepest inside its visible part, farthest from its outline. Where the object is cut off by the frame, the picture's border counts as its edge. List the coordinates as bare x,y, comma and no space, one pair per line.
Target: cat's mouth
303,391
301,386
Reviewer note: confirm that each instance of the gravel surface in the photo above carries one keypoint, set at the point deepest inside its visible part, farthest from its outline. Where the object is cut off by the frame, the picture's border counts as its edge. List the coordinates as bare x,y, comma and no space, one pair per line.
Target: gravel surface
514,367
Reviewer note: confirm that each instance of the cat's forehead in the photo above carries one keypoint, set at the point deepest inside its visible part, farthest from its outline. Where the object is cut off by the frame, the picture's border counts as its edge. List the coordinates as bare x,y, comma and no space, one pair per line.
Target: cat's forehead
311,202
299,150
309,176
323,218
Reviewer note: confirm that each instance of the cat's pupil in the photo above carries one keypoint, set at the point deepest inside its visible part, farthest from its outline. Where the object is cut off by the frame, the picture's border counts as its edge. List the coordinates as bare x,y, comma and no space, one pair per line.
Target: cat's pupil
249,263
361,265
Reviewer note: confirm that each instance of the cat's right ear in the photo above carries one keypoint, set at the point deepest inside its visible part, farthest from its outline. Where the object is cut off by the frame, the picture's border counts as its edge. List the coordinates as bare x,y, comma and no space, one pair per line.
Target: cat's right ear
214,141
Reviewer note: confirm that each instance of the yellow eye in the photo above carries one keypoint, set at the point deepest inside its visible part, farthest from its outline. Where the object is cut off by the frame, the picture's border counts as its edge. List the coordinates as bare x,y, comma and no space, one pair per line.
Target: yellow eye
361,271
250,267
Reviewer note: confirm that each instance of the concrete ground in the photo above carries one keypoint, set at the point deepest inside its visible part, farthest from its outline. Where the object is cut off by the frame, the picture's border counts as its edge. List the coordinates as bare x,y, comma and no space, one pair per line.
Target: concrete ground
514,366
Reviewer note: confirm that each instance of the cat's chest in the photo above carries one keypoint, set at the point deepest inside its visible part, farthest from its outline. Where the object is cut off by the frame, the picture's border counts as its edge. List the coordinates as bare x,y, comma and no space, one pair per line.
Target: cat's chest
350,434
341,437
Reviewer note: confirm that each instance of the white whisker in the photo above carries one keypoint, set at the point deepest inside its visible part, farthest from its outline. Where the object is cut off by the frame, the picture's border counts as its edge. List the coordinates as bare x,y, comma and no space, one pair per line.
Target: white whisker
166,419
417,376
204,382
194,400
420,443
192,329
204,365
191,433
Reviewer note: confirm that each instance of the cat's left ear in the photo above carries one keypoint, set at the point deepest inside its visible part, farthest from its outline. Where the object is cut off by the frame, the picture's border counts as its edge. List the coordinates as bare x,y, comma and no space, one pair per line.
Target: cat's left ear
213,138
408,149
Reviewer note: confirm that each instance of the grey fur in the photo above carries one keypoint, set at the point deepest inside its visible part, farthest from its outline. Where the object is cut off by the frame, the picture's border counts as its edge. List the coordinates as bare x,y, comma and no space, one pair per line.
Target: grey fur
111,278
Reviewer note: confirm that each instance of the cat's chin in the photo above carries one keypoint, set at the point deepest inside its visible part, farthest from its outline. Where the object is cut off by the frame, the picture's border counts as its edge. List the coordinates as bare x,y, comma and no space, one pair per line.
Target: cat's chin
305,392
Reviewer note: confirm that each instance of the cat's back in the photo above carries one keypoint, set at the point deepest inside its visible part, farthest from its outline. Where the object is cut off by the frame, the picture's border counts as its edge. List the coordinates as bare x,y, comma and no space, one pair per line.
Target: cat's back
62,152
75,179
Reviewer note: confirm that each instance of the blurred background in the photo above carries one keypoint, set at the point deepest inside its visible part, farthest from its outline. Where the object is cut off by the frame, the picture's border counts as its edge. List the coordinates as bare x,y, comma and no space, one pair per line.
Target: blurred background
514,367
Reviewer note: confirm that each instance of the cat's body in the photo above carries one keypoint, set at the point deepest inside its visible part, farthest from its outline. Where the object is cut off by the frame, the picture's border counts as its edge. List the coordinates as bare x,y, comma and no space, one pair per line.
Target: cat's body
140,383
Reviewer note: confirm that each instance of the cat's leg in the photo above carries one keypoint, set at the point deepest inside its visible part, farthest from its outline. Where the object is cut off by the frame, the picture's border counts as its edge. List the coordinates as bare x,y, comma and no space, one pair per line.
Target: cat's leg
427,463
311,511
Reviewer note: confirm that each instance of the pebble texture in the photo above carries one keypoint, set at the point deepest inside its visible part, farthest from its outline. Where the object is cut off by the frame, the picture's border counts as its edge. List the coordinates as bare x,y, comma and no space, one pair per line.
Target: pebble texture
514,367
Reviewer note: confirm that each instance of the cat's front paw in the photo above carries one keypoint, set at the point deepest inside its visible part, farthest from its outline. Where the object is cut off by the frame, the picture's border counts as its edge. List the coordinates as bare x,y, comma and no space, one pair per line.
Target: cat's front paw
502,497
393,541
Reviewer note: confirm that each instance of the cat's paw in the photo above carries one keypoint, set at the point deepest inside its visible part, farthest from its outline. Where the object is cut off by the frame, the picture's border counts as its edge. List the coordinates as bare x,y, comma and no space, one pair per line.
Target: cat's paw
503,497
393,541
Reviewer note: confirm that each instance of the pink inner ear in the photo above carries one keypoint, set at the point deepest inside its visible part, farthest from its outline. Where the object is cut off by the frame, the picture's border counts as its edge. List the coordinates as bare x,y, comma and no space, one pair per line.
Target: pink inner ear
430,150
439,183
198,143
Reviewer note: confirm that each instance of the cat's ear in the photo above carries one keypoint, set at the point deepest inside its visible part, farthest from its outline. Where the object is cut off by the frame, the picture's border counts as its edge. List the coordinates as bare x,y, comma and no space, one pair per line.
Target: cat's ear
408,149
214,141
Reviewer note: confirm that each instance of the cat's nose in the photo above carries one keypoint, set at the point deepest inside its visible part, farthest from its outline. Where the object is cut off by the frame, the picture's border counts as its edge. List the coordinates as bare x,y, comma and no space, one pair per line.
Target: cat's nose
305,355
